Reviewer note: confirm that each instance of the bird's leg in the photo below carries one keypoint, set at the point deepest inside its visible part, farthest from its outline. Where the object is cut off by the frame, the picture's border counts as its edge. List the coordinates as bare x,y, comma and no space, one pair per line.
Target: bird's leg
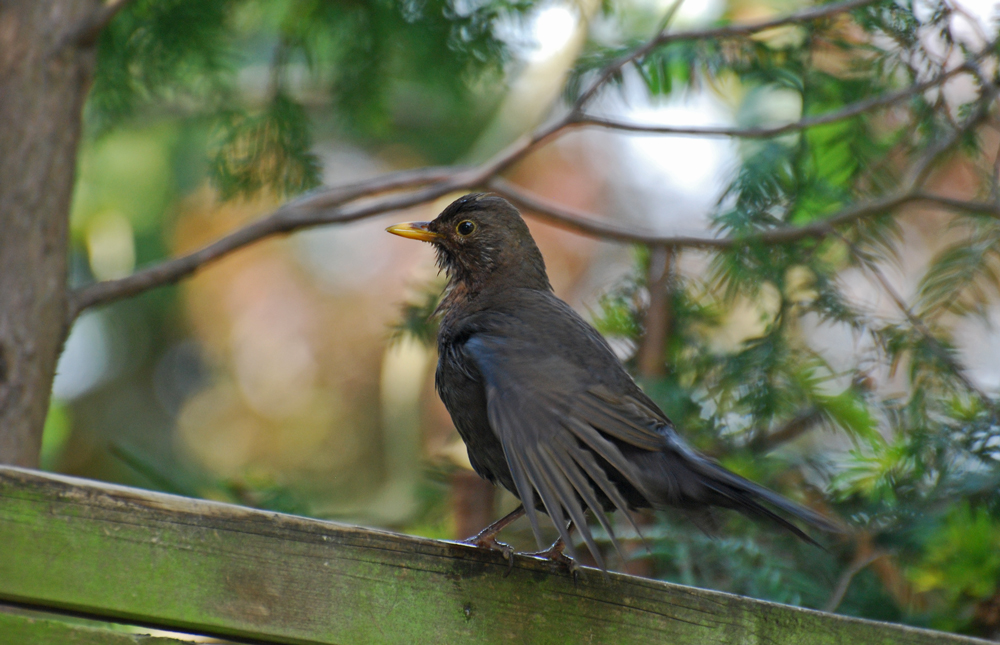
556,554
486,539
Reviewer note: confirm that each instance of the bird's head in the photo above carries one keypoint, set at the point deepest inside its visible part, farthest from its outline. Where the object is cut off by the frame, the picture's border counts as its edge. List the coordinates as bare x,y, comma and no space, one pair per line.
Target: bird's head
481,240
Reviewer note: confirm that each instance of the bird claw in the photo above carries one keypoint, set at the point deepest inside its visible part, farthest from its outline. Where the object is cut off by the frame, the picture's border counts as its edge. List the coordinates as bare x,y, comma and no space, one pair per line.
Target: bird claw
556,556
488,541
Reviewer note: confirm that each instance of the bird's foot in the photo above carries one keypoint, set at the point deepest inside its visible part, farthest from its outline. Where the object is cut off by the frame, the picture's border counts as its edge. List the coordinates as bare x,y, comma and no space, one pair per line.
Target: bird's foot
487,540
556,556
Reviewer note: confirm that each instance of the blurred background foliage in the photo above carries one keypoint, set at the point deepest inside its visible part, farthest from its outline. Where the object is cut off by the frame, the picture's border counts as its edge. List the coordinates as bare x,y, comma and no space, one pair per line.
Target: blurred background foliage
855,372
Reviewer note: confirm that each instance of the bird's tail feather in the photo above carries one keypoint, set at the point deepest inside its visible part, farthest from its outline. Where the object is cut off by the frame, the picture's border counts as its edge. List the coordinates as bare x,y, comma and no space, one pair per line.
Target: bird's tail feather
695,481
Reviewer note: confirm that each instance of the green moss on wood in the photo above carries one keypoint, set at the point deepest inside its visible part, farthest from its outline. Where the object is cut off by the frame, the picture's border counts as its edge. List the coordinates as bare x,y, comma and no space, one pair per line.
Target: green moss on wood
35,628
193,565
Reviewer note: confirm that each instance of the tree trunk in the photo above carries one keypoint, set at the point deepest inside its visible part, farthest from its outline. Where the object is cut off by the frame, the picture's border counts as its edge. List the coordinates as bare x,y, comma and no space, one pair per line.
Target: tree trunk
43,84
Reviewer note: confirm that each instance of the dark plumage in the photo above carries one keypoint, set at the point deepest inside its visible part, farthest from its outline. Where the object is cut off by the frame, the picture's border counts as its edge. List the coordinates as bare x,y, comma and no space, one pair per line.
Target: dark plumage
544,406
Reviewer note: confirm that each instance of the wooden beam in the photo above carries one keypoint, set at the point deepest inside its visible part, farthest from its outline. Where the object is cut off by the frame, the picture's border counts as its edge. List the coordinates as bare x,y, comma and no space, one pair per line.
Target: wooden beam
196,566
35,628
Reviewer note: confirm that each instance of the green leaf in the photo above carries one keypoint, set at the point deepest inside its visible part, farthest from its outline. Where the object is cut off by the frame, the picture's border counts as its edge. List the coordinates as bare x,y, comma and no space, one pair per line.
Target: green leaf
850,410
965,276
159,48
270,150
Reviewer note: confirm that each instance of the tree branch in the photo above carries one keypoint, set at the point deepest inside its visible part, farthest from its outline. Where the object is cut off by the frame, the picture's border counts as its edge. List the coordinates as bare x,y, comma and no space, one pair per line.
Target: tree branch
911,191
917,176
588,224
765,442
729,31
315,209
658,320
366,199
966,206
327,207
939,350
844,582
766,132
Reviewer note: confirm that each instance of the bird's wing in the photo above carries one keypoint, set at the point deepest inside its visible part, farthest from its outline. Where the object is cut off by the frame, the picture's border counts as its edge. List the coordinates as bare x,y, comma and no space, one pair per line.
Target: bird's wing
556,431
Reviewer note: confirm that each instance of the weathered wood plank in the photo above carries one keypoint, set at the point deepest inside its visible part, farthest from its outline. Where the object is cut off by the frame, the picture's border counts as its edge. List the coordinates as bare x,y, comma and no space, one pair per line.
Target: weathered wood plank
32,628
201,566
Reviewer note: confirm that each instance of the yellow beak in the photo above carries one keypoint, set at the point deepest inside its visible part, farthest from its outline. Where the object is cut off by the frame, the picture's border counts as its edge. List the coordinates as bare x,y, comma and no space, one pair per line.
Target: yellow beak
414,231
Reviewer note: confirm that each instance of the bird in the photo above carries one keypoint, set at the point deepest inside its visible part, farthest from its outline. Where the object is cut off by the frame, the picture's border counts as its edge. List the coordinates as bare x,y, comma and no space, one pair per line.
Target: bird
545,407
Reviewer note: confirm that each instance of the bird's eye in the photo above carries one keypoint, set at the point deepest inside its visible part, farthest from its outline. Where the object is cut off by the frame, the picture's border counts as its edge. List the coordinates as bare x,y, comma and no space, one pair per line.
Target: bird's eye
466,227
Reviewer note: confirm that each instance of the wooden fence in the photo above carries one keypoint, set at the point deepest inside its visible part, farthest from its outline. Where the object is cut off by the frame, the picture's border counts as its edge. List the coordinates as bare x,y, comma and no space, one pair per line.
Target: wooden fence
80,561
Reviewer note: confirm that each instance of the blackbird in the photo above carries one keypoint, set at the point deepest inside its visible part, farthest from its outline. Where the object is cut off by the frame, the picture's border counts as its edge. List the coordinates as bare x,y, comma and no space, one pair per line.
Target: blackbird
545,407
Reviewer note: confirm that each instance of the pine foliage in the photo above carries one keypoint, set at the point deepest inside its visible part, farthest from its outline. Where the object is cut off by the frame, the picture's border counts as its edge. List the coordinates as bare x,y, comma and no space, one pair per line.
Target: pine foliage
920,461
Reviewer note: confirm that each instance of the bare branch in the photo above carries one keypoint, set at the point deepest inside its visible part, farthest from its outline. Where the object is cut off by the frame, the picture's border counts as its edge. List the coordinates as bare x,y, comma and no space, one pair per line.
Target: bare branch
961,205
658,320
764,442
328,207
729,31
844,582
588,224
939,350
357,201
322,208
855,109
911,191
918,175
315,209
403,179
922,169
